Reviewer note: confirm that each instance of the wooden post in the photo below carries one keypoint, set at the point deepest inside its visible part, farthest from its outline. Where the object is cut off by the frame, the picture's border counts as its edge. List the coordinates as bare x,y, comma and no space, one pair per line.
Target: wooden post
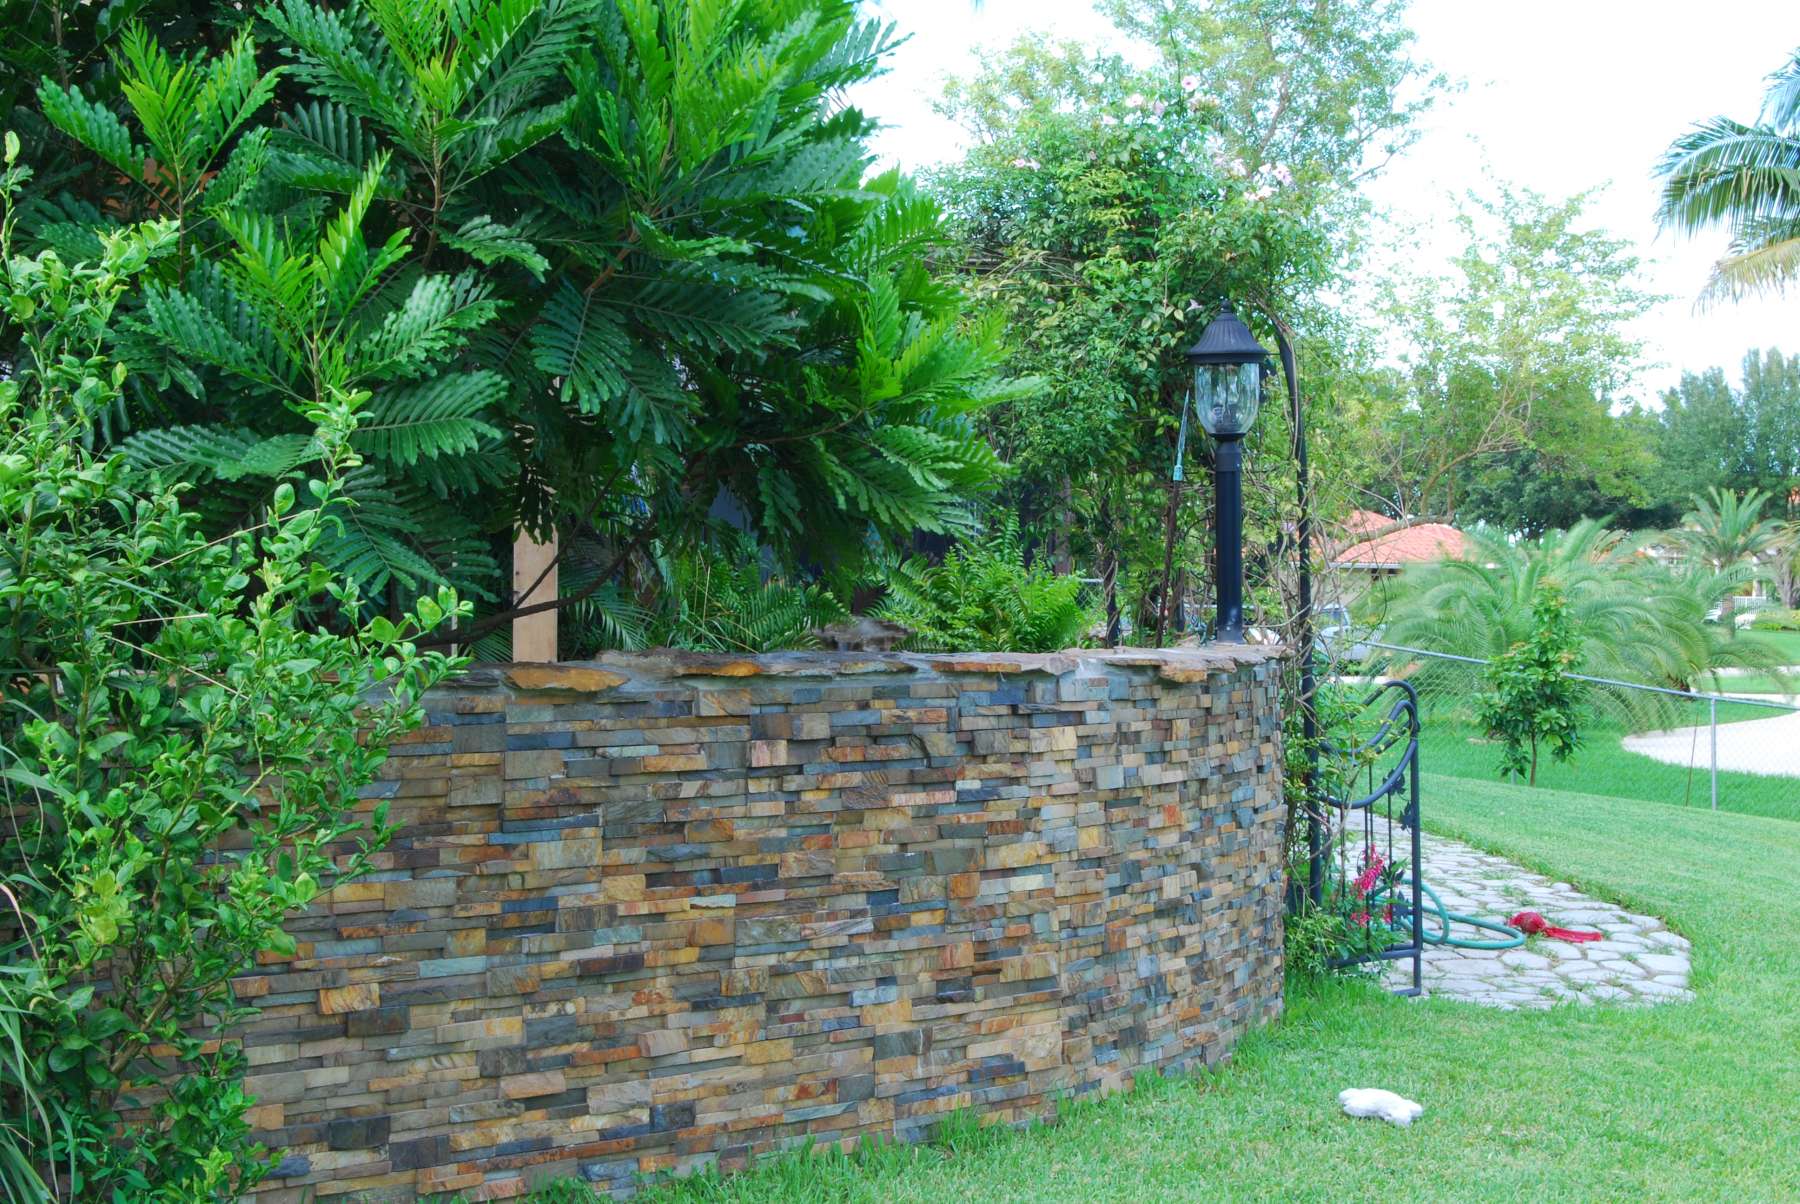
534,636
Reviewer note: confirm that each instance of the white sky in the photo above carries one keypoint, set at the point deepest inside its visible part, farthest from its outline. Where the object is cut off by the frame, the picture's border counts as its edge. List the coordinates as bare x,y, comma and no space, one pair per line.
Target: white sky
1561,96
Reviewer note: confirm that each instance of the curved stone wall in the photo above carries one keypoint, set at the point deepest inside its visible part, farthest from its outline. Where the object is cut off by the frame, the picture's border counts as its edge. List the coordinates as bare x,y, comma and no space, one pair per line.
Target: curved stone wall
656,910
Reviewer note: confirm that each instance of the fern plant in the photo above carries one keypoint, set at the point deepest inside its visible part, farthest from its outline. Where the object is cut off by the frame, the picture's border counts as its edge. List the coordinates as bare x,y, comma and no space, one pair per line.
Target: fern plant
282,310
642,270
718,600
984,597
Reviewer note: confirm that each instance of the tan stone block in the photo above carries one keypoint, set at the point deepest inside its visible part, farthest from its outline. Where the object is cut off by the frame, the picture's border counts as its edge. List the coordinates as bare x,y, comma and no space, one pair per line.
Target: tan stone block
533,763
674,763
956,955
621,888
765,753
355,998
352,892
808,863
748,981
563,679
1018,853
897,1012
712,703
762,1053
712,932
658,1043
525,1086
565,854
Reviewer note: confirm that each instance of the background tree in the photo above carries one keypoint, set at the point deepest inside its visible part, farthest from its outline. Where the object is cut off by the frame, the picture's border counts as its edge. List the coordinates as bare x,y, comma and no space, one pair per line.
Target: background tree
1106,207
1703,441
1742,178
1712,435
1521,348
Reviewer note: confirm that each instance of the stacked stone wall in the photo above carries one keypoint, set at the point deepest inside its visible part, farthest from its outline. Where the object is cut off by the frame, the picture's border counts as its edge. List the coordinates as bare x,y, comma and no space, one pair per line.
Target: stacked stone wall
654,911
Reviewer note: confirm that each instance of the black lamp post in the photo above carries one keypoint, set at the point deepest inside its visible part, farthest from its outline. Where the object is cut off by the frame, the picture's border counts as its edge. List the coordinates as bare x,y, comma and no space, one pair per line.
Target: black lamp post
1229,369
1228,366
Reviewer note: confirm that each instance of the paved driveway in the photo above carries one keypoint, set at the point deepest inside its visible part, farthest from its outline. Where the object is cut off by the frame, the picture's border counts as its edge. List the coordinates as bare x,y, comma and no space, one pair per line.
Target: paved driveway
1767,746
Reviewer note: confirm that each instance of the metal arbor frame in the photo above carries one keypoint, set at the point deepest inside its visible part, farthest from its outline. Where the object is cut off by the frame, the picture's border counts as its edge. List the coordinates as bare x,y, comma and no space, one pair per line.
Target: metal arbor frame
1400,724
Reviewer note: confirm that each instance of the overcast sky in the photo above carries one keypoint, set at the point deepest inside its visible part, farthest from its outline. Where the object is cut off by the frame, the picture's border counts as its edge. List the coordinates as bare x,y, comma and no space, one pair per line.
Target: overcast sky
1560,97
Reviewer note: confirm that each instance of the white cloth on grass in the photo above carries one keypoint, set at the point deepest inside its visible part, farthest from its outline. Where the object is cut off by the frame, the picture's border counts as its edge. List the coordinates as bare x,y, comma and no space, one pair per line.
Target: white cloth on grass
1372,1101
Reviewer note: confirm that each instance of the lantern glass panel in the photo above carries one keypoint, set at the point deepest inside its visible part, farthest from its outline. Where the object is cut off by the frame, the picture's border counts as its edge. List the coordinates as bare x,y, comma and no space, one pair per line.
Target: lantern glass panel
1227,396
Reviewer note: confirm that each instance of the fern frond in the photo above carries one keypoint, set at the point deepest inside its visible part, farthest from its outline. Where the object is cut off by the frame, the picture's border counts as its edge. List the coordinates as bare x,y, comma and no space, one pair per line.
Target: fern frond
430,419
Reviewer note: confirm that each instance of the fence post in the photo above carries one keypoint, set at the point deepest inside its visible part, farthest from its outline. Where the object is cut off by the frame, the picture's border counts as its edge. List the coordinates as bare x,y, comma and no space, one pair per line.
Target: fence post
534,580
1713,707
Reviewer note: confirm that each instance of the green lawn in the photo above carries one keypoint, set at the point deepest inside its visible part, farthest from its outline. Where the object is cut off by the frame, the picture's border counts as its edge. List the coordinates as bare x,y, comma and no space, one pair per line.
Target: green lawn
1785,642
1680,1102
1602,766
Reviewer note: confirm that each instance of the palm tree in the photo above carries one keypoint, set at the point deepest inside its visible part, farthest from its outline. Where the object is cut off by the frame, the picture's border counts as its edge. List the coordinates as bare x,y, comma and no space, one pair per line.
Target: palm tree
1726,531
1637,620
1745,178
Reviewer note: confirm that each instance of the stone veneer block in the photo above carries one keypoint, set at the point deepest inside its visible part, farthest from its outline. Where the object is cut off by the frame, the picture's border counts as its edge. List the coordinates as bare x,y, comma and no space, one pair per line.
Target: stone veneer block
661,910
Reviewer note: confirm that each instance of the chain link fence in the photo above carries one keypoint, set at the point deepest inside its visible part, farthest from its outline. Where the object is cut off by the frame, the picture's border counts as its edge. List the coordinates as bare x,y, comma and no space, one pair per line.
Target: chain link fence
1732,750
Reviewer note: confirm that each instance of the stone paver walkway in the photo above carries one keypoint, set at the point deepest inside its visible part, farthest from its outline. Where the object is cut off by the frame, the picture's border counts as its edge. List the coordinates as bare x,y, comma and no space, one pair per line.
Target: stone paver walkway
1639,962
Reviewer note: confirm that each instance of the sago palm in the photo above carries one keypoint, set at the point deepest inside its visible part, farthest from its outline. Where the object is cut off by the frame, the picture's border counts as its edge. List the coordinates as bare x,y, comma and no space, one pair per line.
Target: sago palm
1746,179
1726,532
1637,620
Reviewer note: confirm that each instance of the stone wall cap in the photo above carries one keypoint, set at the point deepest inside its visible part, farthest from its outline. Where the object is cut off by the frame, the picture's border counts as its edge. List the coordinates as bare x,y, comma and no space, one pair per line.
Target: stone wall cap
611,670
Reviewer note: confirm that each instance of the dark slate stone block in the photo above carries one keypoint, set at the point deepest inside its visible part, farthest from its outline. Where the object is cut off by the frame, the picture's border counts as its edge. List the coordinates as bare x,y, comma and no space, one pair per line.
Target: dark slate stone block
377,1022
909,1044
421,1152
672,1116
291,1167
357,1133
493,1063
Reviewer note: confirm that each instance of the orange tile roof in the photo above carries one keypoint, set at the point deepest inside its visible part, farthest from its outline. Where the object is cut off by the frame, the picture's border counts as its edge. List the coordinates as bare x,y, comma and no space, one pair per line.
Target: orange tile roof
1420,544
1364,523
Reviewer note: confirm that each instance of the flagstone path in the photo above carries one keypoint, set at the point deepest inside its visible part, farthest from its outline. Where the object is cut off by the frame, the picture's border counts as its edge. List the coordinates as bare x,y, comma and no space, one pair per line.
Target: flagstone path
1639,961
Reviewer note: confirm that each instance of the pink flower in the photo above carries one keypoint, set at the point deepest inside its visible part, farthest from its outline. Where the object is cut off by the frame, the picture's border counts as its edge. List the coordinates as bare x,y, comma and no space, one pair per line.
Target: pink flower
1135,101
1159,108
1371,874
1189,82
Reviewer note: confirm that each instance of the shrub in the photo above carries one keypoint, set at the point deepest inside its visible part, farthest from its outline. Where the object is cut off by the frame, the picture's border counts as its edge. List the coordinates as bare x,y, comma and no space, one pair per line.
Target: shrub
185,723
1532,702
984,598
1777,620
717,600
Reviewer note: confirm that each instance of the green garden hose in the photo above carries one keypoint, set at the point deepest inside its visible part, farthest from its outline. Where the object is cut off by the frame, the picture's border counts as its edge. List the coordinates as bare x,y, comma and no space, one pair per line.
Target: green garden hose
1435,912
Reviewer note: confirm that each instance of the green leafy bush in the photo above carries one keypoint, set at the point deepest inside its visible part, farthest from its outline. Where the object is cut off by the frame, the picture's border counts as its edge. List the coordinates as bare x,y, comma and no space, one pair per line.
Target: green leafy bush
1776,620
185,724
984,597
620,256
1532,703
717,600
